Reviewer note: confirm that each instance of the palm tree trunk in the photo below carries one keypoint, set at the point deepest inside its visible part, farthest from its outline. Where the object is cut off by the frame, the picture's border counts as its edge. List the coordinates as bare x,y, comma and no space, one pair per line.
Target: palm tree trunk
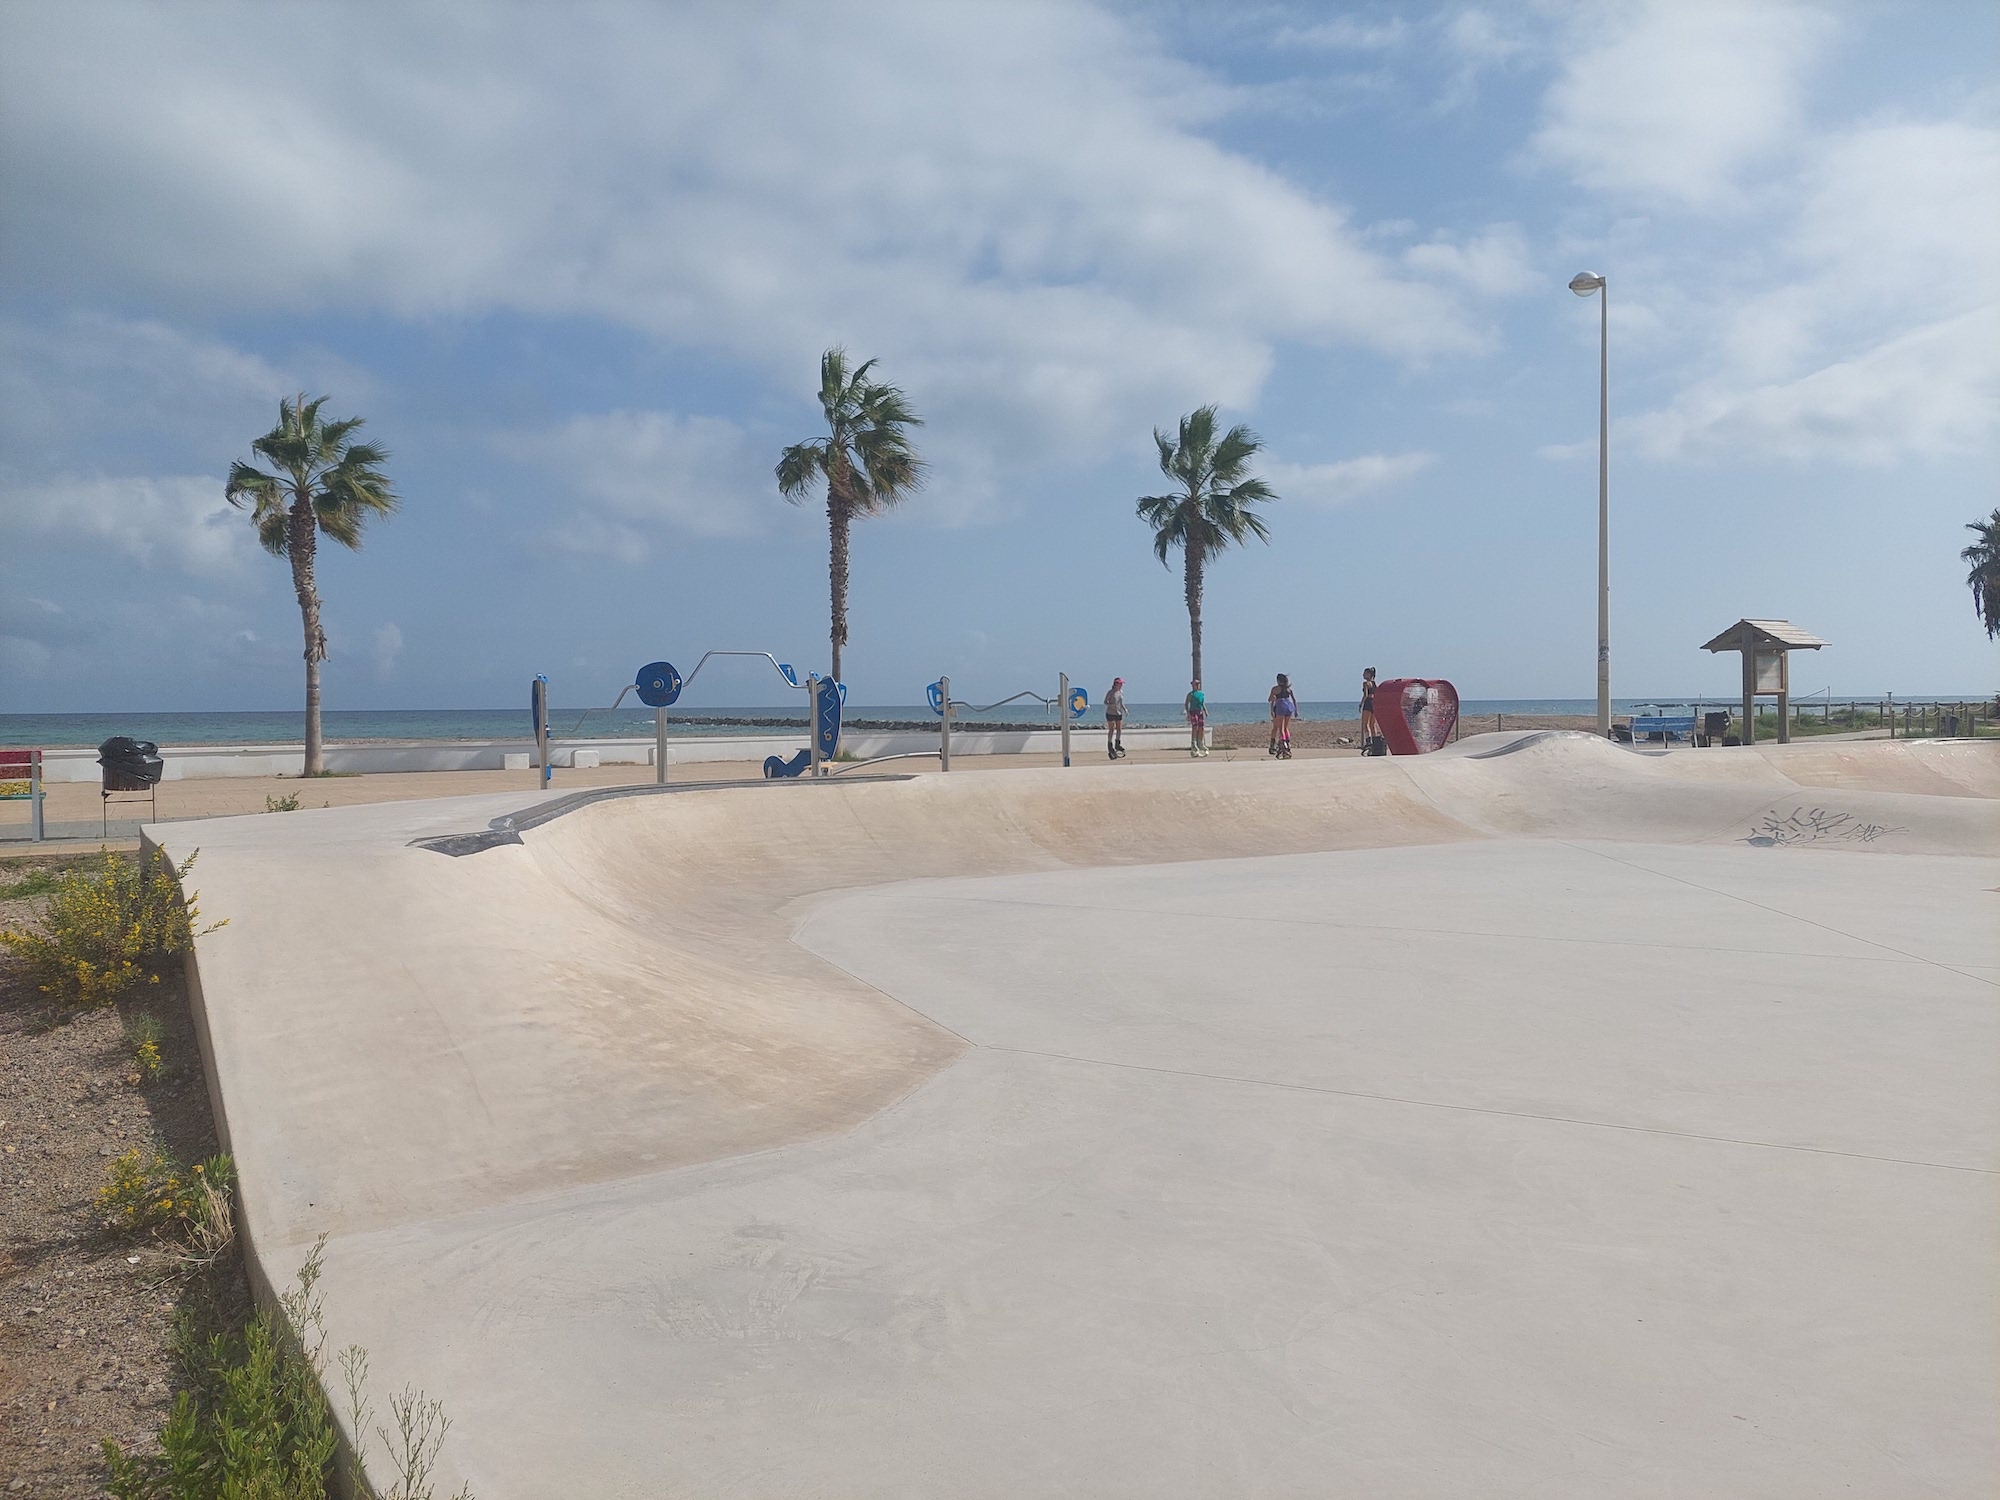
1193,564
837,527
301,539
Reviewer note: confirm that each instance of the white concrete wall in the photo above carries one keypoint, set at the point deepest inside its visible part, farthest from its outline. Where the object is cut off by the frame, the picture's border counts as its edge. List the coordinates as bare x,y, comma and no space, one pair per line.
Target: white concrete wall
194,762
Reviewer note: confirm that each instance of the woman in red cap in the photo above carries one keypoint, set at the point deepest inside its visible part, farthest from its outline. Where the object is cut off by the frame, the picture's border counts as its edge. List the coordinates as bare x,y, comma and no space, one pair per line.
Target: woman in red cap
1114,718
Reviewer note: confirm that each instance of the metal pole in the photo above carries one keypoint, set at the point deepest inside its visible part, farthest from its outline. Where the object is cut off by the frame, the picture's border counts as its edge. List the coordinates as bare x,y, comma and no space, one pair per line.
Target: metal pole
660,746
1604,510
1062,698
944,734
35,826
1749,693
812,722
540,694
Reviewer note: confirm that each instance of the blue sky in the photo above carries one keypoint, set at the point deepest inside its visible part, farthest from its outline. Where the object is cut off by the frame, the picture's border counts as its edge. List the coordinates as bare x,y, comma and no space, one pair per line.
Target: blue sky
576,265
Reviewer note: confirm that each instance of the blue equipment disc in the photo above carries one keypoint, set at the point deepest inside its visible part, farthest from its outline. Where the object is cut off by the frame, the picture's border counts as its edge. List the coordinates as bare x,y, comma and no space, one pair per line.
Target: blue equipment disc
936,694
1079,700
659,684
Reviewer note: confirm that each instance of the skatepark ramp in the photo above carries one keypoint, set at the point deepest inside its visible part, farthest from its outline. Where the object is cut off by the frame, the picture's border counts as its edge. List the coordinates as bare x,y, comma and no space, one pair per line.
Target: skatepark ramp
455,1036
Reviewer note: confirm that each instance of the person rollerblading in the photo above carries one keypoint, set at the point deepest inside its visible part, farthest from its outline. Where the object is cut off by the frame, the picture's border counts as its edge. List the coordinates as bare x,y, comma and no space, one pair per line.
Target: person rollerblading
1114,719
1196,708
1284,704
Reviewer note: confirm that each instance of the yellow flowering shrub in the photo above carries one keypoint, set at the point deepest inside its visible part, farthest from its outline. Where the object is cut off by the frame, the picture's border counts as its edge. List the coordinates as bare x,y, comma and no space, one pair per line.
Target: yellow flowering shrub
13,788
143,1032
147,1189
110,925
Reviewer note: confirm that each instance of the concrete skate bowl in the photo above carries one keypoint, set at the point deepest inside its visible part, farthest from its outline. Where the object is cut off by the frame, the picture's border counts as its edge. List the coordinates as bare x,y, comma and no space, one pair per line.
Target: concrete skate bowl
1208,1129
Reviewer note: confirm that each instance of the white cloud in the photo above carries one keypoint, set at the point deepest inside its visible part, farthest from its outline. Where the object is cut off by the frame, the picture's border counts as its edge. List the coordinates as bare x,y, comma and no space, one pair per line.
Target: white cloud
176,521
1347,34
1922,394
1476,37
86,380
1878,336
1348,479
1493,264
1006,202
633,474
1675,98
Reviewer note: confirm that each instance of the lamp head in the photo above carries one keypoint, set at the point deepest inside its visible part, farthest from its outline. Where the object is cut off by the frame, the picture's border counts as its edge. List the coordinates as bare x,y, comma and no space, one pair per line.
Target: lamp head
1583,283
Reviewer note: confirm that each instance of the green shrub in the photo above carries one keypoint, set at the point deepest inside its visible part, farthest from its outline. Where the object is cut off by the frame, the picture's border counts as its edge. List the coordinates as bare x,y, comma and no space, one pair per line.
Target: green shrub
111,924
34,883
286,803
251,1423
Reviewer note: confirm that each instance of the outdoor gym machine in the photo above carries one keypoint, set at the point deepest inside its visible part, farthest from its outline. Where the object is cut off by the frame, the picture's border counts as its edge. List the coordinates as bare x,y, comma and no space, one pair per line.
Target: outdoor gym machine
659,686
1075,700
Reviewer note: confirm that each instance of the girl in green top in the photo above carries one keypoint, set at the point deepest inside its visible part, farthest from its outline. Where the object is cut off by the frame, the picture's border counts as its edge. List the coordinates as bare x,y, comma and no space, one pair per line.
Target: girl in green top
1197,717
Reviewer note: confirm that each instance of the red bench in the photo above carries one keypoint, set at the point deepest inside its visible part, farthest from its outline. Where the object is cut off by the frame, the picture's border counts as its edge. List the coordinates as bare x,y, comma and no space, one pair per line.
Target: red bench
24,765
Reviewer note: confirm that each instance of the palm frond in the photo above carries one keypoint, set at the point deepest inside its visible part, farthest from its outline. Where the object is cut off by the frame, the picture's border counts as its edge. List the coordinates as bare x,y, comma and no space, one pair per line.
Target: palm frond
798,466
273,531
1216,505
251,487
1233,454
341,480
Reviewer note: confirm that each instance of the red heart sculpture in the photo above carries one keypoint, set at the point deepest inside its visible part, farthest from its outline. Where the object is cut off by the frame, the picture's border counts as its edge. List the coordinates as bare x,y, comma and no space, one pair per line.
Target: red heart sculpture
1416,713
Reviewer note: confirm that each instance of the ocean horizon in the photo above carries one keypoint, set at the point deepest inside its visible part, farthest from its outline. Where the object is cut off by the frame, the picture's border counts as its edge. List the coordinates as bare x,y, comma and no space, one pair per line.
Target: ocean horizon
425,726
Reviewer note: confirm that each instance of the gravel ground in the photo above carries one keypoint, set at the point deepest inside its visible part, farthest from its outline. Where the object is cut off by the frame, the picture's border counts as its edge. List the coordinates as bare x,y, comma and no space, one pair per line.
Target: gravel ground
86,1318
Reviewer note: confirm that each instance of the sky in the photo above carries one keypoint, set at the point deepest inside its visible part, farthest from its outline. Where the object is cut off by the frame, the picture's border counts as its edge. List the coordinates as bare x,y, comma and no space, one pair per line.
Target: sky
576,265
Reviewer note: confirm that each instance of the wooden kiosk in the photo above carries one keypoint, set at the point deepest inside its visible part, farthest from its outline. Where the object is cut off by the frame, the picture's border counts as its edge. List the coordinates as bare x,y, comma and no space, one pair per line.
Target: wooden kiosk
1766,645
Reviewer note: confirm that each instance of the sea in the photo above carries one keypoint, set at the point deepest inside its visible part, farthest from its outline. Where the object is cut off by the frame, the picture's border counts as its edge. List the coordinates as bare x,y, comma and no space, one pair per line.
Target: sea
432,725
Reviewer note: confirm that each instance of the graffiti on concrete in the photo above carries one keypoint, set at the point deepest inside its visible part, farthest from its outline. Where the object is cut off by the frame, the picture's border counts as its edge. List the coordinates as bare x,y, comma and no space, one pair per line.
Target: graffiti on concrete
1816,825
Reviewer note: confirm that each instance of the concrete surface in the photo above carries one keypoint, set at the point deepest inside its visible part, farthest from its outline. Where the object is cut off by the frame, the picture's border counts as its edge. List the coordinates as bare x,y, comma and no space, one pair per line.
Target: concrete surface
206,762
74,808
1539,1118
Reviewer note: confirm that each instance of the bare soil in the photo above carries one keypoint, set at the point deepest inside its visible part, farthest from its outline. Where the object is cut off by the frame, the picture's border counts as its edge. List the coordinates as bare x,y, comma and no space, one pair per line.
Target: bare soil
87,1317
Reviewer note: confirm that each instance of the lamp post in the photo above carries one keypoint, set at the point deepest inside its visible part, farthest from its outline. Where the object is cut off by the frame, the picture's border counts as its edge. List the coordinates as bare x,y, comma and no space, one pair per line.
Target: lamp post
1584,283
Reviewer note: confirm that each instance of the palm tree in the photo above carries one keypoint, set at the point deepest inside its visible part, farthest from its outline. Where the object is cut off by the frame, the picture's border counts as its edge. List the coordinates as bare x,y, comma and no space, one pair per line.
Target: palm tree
1984,579
1212,506
324,483
866,459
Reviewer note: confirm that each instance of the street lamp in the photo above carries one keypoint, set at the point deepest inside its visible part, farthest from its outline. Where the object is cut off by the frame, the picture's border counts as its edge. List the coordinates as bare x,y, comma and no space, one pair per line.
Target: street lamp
1583,284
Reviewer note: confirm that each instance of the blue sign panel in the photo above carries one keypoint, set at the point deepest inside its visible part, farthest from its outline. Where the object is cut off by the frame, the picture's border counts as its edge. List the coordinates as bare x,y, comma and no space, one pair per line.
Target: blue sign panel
826,717
935,692
538,706
789,672
659,684
1079,700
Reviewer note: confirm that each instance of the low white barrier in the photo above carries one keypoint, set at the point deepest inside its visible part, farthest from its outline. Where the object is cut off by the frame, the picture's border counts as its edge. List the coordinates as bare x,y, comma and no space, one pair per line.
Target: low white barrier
197,762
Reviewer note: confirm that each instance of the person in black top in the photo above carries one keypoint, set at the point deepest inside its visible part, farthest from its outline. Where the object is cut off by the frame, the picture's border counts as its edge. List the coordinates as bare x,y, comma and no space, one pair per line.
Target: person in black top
1370,727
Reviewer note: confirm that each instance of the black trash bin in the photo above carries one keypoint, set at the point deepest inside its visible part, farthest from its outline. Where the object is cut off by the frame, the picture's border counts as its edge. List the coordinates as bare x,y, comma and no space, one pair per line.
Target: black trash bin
1714,725
130,765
